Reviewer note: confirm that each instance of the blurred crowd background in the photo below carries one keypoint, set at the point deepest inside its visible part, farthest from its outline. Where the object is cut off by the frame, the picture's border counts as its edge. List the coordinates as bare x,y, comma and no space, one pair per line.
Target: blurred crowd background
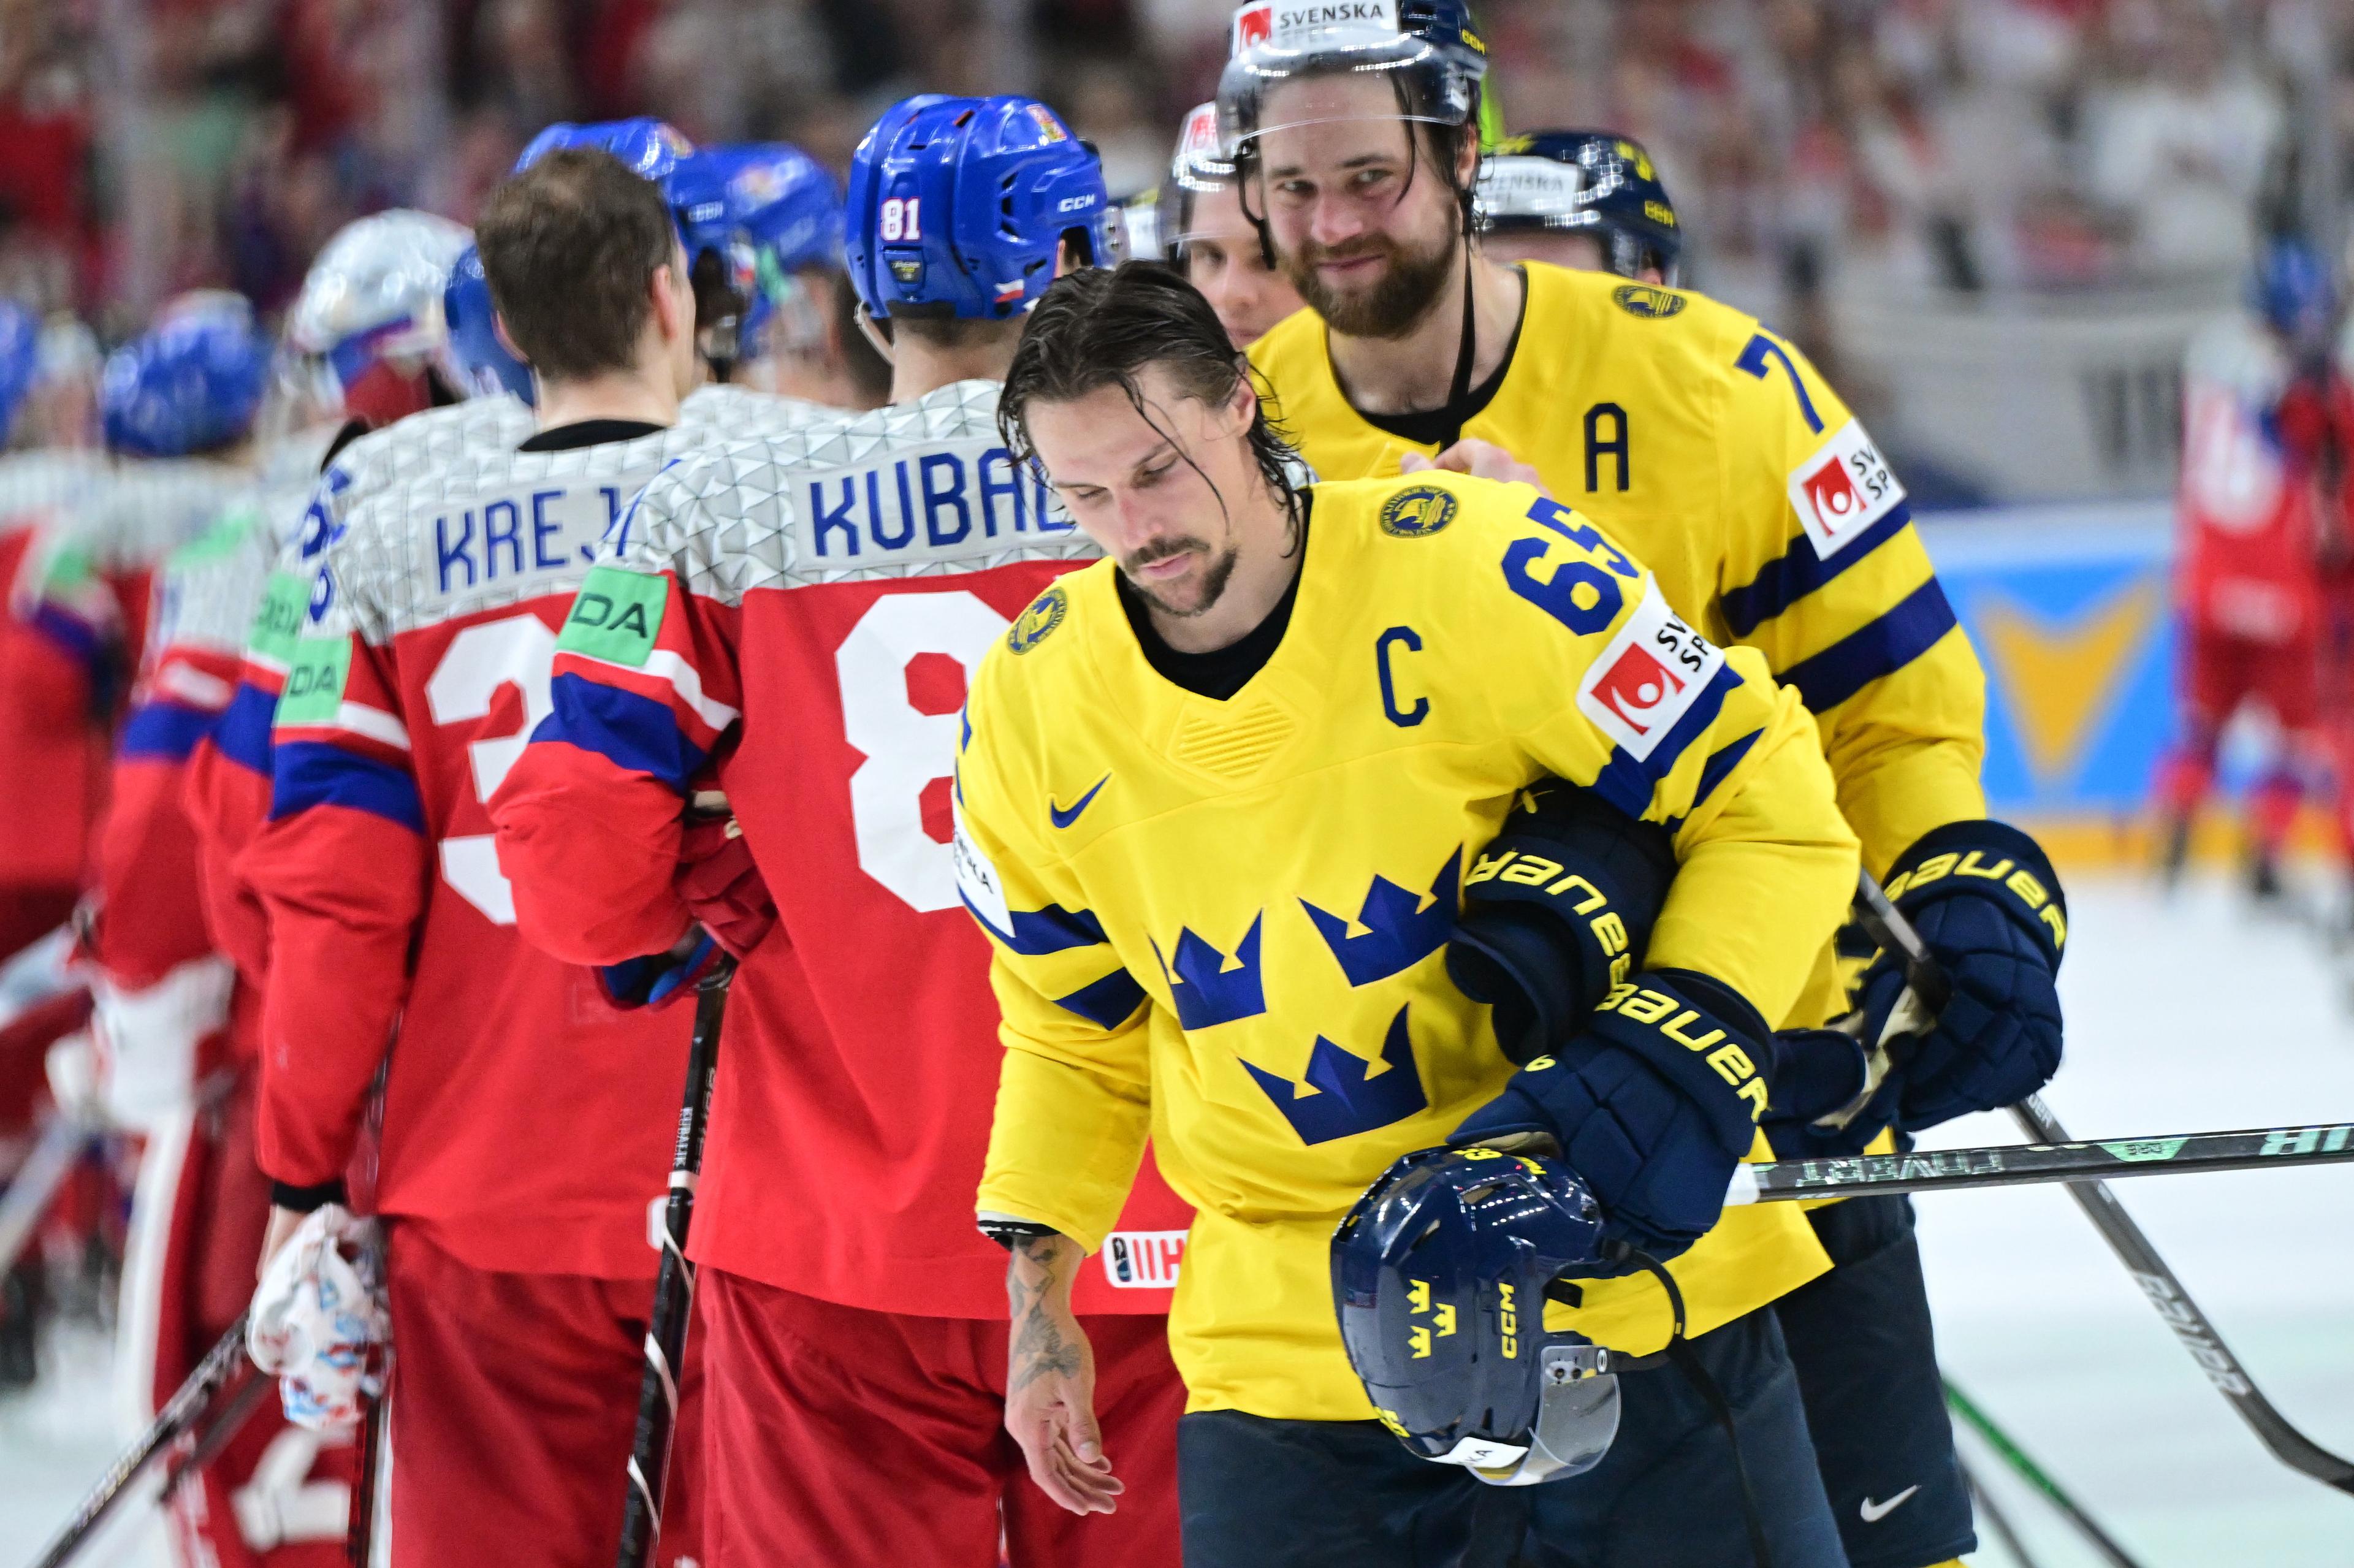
2040,198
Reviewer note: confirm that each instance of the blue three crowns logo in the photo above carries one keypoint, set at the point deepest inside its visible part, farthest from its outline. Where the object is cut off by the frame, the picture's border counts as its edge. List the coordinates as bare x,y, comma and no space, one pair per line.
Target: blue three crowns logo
1344,1094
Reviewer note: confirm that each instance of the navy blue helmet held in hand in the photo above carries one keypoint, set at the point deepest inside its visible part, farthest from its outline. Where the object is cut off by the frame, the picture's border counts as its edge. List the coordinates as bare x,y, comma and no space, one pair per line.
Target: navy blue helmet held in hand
1439,1276
1593,182
961,207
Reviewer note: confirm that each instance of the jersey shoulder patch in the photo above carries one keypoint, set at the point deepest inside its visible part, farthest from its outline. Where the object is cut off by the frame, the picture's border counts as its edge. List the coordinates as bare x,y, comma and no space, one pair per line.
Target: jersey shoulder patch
1843,489
1649,675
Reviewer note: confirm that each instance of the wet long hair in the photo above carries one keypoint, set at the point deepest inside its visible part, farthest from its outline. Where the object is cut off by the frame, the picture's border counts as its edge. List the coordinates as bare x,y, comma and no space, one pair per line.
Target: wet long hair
1099,327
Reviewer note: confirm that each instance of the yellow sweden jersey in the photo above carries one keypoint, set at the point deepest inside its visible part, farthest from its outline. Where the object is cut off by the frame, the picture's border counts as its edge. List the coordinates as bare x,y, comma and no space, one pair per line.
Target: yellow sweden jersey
1221,923
1714,452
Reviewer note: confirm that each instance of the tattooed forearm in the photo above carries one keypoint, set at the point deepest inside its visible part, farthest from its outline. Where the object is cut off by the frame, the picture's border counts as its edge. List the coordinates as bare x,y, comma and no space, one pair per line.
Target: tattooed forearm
1038,1289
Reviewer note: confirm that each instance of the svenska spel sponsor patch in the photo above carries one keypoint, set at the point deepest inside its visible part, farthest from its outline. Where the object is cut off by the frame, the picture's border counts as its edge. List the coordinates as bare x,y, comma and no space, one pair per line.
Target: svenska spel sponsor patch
315,678
1648,676
1843,489
615,616
1143,1260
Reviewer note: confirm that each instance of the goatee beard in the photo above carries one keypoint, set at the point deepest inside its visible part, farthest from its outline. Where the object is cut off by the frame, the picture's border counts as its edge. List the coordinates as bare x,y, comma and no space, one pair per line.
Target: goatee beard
1409,286
1214,584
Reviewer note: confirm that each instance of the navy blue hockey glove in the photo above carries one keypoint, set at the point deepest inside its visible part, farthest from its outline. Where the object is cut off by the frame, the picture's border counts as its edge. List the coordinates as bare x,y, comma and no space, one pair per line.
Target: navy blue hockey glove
1652,1103
1820,1073
659,979
1557,908
1988,906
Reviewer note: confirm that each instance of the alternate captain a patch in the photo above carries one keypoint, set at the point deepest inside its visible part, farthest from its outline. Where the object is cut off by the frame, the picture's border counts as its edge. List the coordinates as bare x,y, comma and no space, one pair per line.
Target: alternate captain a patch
1417,512
1044,614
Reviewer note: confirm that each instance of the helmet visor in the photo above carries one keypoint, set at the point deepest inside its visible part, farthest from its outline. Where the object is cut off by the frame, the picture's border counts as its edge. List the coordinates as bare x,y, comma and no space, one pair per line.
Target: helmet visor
1522,192
1295,64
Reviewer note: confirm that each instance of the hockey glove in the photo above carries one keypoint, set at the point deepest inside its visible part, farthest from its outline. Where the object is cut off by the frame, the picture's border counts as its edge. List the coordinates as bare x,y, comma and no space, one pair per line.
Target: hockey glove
1556,909
1653,1103
314,1320
1989,907
721,886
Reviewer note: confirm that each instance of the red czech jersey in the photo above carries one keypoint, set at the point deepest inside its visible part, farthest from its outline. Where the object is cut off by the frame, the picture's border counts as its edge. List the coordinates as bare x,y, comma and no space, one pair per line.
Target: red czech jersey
2248,565
808,609
526,1122
49,731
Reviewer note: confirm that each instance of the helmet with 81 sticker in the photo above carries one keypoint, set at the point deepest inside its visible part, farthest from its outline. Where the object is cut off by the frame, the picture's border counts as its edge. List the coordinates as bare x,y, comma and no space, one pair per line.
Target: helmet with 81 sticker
960,206
1593,183
1439,1276
190,383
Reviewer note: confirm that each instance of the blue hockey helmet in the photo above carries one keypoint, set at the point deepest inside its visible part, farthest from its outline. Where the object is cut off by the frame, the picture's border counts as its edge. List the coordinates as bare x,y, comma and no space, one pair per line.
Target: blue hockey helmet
652,148
477,362
1596,182
2292,290
769,211
191,383
20,359
1439,1276
960,206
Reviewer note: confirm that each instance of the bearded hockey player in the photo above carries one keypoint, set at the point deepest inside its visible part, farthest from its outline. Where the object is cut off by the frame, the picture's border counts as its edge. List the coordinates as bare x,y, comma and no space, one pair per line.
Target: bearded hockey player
520,1142
1270,701
1773,520
808,610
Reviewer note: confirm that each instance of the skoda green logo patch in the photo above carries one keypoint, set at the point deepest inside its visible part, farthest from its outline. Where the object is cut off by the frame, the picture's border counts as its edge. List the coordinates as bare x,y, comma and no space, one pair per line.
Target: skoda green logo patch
1411,513
614,618
314,681
1642,299
1044,614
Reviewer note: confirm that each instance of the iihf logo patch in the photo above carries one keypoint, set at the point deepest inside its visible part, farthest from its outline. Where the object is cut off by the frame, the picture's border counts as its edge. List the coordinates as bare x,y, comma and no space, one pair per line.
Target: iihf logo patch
1044,614
1642,299
1412,513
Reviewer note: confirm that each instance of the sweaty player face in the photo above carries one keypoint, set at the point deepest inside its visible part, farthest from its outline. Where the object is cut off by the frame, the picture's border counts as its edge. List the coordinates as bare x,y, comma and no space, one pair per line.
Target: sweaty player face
1223,261
1362,225
1159,490
1579,250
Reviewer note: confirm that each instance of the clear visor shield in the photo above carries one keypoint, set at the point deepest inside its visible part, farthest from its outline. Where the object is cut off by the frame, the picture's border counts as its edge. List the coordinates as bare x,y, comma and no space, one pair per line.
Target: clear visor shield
1334,75
1536,193
1578,1420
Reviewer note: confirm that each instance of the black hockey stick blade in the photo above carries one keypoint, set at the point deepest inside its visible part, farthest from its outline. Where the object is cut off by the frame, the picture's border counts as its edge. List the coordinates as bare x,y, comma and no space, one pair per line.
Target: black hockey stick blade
188,1408
2289,1446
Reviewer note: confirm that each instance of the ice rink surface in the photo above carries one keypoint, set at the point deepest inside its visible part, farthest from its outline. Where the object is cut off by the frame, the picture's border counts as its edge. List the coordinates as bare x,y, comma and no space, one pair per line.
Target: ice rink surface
2183,1014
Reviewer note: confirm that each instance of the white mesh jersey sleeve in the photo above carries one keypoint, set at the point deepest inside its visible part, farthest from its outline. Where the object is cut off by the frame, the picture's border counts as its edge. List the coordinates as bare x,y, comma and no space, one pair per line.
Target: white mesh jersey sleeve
920,489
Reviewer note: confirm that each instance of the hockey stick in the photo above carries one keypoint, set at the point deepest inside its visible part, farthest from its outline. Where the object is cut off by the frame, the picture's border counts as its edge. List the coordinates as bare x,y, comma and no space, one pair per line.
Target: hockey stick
36,1182
190,1405
674,1286
1982,1504
2292,1447
2025,1164
2028,1471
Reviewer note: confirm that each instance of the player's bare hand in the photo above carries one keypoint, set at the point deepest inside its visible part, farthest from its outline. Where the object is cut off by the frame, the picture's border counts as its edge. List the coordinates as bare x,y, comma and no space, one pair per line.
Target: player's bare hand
283,1223
1480,460
1050,1380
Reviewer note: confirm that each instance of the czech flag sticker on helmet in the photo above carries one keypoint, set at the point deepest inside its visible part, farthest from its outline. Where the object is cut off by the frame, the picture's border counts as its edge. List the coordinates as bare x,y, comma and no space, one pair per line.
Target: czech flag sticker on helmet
1048,126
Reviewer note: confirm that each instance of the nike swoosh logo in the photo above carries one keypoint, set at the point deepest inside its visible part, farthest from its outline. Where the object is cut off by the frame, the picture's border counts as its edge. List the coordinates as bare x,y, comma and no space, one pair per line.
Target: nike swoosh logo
1874,1512
1063,819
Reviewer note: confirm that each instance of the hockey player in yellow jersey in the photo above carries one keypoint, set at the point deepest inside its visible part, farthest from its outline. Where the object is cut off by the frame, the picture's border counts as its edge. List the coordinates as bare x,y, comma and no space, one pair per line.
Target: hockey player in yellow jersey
1217,799
1723,460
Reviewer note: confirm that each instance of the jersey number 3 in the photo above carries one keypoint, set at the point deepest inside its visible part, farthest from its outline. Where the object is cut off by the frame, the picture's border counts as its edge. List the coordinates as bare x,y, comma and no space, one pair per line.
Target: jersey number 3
519,651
